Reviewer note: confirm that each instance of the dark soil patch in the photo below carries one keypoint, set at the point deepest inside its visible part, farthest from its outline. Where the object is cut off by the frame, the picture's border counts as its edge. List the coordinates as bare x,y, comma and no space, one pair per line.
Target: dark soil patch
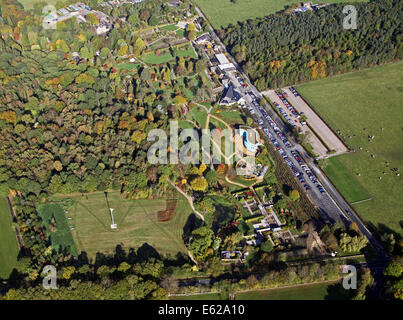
168,213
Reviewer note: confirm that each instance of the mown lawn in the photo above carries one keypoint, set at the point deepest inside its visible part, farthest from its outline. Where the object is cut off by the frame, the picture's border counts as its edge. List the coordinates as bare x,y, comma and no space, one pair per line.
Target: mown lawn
224,12
136,220
57,228
360,104
170,27
8,242
152,58
307,292
345,181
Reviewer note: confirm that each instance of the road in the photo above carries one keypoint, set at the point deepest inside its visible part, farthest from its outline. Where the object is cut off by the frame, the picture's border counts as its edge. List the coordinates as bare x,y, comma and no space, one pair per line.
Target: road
331,204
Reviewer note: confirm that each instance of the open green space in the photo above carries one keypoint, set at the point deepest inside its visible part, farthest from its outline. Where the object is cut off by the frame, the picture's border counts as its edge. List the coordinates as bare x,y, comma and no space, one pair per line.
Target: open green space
29,4
57,228
362,104
199,115
224,12
170,27
307,292
137,222
166,56
8,242
345,181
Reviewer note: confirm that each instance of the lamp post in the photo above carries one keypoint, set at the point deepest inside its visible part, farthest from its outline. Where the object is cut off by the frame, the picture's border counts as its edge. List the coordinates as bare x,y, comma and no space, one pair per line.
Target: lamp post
113,225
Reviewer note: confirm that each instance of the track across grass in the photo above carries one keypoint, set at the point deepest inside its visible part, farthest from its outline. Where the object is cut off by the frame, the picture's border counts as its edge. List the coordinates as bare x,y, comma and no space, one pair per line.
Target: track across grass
8,242
136,220
224,12
57,227
356,106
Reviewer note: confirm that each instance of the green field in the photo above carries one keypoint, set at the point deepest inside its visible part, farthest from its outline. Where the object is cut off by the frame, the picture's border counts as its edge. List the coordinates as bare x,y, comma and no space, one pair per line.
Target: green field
8,242
360,104
170,27
224,12
306,292
57,227
152,58
352,190
29,4
136,219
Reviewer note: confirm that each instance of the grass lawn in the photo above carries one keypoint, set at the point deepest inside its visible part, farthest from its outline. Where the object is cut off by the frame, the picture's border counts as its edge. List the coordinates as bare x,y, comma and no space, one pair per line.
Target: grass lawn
136,219
307,292
170,27
152,58
199,115
180,32
57,227
360,104
345,181
8,242
29,4
224,12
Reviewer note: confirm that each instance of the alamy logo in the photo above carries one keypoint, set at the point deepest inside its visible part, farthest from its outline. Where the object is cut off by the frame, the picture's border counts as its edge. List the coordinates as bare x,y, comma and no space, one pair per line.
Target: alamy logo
350,21
350,281
50,280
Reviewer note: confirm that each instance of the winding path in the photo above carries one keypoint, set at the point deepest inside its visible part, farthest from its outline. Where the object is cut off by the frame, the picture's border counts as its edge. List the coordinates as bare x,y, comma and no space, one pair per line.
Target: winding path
189,199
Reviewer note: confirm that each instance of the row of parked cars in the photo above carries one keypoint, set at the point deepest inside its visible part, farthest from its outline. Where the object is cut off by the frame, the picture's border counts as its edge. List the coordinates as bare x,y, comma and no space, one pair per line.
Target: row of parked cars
295,153
308,172
284,100
241,82
295,93
285,115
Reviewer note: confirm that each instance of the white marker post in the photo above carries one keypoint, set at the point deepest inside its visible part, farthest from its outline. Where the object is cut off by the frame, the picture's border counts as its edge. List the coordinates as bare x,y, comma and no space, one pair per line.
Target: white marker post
113,225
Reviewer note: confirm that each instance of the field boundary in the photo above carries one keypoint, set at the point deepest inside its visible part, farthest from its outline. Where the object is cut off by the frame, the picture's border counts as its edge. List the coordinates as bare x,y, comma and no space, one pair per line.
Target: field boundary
364,222
16,229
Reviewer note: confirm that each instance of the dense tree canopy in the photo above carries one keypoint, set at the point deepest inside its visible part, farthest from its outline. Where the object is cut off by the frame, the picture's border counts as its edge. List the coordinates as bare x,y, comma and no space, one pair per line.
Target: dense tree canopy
284,49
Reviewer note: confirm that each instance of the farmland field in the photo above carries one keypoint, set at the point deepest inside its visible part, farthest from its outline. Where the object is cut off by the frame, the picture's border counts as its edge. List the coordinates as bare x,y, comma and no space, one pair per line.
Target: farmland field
362,104
345,181
8,242
137,222
224,12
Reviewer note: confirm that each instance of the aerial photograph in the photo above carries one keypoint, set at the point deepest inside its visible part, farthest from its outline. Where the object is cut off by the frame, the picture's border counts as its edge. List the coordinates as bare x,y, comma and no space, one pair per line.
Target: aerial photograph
207,155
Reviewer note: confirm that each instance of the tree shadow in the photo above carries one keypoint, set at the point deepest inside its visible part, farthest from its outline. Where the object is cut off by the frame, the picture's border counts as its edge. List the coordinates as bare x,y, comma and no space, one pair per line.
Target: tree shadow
146,252
191,224
337,292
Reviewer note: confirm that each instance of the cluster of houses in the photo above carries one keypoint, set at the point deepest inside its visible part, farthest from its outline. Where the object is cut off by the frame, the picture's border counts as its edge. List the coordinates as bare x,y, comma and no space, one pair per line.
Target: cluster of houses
79,11
309,6
221,66
266,227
